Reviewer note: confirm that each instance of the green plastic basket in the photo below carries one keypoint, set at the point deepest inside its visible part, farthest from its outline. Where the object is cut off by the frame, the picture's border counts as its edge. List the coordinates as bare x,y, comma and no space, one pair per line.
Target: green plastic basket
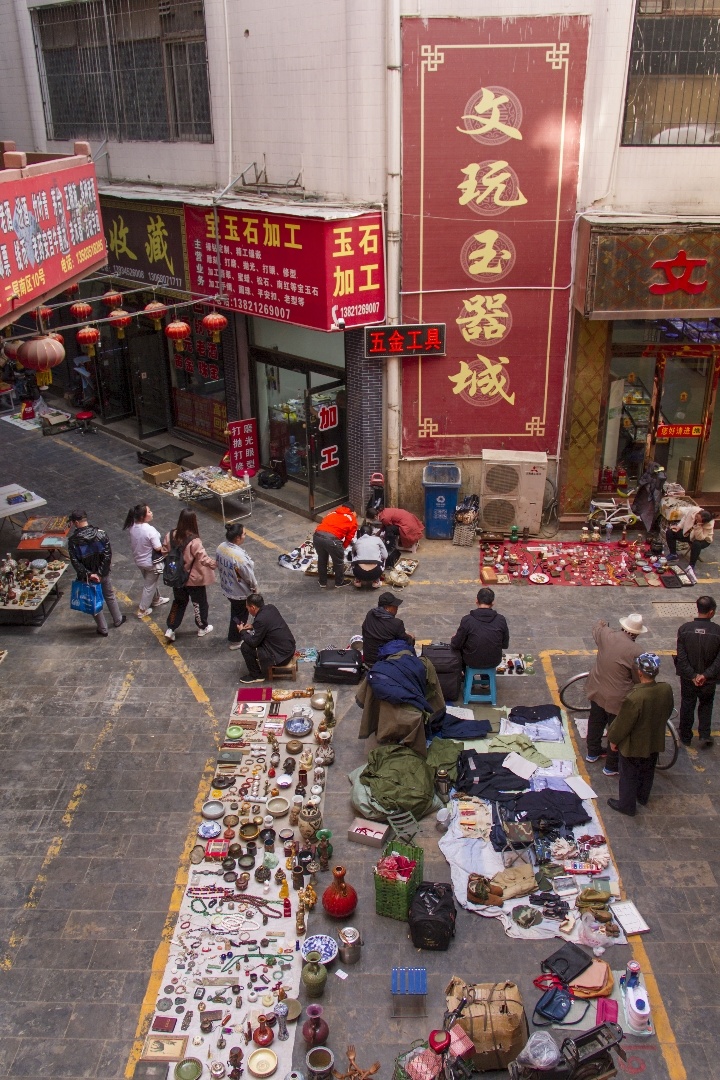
393,898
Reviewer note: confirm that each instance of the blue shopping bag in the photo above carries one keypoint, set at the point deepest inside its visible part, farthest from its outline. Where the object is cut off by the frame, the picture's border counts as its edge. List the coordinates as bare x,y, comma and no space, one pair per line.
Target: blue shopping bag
86,596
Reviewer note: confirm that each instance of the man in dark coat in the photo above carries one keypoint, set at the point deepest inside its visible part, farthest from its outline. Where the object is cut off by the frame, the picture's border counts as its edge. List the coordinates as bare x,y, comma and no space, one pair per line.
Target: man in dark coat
91,555
698,665
382,625
483,634
266,642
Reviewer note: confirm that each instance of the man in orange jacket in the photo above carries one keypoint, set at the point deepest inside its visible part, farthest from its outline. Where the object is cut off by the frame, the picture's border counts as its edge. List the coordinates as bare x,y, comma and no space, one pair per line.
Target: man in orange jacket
333,535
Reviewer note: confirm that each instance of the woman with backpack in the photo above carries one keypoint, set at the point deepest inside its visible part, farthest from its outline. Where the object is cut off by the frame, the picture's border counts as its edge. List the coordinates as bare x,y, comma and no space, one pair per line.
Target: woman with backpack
147,550
189,570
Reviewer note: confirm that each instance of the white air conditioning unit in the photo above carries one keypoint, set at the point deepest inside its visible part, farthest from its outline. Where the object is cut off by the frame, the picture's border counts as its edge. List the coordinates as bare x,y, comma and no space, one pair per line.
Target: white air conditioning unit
512,489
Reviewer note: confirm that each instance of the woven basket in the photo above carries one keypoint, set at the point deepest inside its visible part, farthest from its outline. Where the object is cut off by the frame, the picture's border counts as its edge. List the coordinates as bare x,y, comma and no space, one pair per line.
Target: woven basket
464,535
401,1060
393,898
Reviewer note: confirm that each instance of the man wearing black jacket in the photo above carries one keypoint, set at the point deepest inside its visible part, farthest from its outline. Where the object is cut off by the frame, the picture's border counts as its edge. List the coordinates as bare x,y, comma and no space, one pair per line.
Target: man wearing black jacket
482,634
698,665
382,625
91,555
266,642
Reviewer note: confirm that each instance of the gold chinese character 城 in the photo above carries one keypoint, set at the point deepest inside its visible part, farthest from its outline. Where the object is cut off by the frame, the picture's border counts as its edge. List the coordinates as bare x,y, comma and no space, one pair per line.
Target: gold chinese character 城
489,380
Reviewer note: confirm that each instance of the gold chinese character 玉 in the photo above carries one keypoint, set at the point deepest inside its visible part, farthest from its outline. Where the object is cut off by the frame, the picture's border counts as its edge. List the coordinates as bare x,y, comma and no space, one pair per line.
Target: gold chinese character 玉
488,258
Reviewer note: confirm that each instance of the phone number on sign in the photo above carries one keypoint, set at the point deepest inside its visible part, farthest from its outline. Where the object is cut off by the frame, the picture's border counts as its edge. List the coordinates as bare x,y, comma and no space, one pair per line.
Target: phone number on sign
273,310
359,309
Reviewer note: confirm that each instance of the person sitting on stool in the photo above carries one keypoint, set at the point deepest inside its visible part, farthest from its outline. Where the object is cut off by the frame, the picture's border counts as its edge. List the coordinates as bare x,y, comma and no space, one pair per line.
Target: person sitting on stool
266,642
696,529
482,634
369,555
638,733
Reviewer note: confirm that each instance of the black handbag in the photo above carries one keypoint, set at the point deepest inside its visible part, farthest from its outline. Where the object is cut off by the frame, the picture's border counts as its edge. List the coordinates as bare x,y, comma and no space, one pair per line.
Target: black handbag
432,916
339,666
567,963
554,1005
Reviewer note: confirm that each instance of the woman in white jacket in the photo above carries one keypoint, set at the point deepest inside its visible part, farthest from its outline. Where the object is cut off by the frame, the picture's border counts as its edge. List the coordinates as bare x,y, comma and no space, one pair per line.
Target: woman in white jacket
146,543
368,558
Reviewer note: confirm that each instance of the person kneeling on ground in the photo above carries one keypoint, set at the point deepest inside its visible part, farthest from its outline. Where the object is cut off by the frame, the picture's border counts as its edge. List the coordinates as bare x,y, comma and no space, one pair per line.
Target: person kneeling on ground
368,558
266,642
696,529
482,634
638,733
382,625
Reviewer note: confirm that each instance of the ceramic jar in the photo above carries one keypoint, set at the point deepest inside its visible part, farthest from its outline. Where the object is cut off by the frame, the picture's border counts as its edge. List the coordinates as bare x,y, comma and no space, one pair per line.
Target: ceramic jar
281,1011
314,975
339,899
263,1035
309,821
319,1061
315,1031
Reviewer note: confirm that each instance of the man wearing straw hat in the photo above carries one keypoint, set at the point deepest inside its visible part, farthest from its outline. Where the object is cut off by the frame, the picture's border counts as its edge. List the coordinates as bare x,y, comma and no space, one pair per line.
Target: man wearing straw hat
610,681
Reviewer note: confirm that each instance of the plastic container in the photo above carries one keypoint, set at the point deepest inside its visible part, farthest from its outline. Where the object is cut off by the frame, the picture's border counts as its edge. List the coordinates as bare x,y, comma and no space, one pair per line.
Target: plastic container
441,481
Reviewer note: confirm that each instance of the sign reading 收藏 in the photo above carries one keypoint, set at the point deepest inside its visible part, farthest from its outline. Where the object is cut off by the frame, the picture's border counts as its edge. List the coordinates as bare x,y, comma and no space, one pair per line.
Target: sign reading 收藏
50,232
146,242
412,340
491,124
301,270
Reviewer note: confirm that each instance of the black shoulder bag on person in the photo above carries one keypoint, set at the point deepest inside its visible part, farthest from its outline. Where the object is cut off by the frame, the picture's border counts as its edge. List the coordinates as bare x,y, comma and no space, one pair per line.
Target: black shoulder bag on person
174,573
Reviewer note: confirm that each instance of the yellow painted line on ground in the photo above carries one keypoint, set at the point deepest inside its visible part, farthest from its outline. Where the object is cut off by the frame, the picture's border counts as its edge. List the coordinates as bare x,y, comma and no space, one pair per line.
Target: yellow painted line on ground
90,763
126,472
663,1028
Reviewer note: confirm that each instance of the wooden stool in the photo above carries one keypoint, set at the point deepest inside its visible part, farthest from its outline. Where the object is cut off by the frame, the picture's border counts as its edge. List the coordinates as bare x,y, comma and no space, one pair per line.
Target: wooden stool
284,671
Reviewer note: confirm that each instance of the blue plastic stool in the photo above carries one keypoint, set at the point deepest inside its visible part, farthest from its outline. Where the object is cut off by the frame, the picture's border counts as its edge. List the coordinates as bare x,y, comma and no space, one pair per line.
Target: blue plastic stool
481,697
409,991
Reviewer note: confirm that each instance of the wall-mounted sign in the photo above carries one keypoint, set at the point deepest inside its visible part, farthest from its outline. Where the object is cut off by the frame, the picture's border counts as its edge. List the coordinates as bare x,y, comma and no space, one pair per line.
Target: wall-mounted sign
244,455
415,339
680,431
146,242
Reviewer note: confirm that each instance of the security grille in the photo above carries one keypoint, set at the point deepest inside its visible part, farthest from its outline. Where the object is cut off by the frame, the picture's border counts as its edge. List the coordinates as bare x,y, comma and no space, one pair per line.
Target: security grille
124,69
673,92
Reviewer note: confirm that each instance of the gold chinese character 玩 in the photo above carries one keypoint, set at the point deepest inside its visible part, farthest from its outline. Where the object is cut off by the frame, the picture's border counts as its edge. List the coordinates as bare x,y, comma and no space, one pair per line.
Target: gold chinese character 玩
490,187
489,379
118,239
156,247
489,114
484,317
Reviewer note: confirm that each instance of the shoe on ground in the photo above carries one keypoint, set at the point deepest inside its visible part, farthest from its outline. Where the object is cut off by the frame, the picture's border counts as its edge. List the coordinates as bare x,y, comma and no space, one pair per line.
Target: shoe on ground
321,585
358,584
377,584
686,742
691,574
235,645
206,630
643,802
614,804
706,743
673,558
342,584
160,601
170,634
611,772
142,613
123,619
250,679
102,633
592,758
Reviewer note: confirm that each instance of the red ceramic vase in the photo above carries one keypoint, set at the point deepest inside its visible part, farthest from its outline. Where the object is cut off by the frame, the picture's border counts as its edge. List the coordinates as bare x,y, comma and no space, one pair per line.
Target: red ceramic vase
315,1031
339,899
263,1035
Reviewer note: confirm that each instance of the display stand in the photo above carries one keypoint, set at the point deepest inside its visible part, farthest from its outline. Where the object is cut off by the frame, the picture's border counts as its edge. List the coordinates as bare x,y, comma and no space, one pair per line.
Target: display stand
35,612
202,479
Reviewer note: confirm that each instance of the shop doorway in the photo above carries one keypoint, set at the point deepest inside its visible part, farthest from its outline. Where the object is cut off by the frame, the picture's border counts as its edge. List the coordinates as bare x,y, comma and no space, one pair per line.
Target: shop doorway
148,372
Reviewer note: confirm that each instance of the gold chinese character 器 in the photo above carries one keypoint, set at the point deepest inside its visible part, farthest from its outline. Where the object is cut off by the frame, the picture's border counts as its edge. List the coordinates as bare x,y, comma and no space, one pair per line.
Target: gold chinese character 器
484,317
490,187
118,239
156,247
489,380
486,115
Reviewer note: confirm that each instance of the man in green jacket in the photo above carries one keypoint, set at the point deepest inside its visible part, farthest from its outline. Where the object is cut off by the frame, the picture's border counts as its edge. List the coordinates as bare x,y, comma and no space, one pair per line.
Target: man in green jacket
638,732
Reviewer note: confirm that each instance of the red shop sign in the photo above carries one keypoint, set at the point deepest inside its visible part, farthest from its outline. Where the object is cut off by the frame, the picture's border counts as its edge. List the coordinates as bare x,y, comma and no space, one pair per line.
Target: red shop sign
244,456
50,232
680,431
306,271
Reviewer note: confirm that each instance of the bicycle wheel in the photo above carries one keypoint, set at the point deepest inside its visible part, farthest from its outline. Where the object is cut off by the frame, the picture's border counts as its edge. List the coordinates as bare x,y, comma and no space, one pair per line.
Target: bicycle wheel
668,756
574,694
597,518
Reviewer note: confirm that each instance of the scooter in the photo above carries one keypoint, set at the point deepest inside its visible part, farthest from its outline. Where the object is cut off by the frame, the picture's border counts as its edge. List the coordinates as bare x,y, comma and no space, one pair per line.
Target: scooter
586,1057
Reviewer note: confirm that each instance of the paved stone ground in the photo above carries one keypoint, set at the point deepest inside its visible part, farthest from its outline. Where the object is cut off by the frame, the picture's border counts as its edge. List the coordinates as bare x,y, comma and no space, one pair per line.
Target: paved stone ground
105,743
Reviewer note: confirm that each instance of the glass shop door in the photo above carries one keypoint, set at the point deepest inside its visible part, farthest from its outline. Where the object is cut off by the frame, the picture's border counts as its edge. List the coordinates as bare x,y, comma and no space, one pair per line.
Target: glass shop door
326,412
687,387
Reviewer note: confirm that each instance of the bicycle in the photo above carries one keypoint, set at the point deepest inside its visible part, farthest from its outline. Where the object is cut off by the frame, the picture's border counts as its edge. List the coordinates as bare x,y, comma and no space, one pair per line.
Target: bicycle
574,697
550,518
612,511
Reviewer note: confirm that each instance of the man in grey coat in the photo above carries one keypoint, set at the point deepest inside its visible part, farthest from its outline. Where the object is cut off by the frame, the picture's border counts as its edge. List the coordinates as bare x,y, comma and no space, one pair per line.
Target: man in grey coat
610,681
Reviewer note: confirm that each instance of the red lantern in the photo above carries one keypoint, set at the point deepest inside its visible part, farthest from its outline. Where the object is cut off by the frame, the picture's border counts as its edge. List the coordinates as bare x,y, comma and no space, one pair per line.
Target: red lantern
120,319
87,338
72,290
80,310
111,298
177,331
42,315
215,323
10,348
41,353
156,311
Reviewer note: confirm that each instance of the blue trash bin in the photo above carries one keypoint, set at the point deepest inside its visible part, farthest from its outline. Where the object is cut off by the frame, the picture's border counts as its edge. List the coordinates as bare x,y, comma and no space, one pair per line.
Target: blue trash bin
441,480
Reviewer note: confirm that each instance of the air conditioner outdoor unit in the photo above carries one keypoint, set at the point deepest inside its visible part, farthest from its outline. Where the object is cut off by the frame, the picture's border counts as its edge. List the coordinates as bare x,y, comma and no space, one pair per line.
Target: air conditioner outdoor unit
512,489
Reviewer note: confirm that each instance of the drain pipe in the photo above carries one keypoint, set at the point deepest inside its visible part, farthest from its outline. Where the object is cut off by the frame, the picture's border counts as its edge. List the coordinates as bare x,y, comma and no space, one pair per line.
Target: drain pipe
393,153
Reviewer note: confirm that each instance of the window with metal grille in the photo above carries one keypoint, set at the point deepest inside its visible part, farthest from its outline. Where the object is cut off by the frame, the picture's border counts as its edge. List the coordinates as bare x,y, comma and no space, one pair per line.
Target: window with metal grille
124,69
673,92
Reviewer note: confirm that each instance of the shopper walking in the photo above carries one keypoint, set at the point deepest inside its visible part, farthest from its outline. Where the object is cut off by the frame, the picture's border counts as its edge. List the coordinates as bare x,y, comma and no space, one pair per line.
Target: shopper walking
698,665
237,579
333,535
91,555
638,733
610,681
192,569
146,547
696,529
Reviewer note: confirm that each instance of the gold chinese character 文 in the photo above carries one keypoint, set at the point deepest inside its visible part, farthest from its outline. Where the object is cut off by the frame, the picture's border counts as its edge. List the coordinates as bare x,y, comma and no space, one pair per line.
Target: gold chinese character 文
484,317
490,380
486,113
490,187
118,239
156,247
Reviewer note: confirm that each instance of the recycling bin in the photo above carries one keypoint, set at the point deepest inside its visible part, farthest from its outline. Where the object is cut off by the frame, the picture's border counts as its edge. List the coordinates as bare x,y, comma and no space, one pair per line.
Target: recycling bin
441,481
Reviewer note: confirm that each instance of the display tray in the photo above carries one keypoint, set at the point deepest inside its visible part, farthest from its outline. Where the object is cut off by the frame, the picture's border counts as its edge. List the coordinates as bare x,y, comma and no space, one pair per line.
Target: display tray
570,563
36,608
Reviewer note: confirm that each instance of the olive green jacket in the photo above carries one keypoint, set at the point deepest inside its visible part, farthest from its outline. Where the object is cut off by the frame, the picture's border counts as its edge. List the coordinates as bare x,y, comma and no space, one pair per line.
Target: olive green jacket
638,730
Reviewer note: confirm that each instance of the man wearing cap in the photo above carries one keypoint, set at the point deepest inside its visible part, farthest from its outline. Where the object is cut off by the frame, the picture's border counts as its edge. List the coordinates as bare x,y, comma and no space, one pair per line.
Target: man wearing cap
382,625
612,678
91,555
638,733
698,665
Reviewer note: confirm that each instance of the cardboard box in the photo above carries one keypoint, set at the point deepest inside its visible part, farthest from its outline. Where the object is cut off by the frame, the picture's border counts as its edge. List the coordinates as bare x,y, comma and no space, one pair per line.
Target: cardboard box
375,836
162,474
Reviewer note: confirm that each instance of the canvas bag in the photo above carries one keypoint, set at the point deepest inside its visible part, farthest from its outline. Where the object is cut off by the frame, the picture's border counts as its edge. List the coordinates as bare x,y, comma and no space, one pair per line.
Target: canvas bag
518,880
494,1019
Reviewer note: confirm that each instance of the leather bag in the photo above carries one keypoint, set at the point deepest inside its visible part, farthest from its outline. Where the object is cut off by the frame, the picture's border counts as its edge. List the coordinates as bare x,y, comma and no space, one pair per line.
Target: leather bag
567,963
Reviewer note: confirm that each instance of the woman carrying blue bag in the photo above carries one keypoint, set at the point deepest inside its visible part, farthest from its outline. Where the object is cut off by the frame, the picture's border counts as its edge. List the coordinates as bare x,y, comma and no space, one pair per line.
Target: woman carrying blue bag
91,555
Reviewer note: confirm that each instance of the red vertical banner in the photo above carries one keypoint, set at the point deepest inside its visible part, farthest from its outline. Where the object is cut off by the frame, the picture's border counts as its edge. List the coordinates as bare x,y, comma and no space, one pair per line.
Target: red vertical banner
491,127
244,454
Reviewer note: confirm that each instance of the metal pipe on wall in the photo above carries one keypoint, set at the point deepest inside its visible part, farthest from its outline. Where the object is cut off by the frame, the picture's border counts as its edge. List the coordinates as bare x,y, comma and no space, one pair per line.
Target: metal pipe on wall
393,150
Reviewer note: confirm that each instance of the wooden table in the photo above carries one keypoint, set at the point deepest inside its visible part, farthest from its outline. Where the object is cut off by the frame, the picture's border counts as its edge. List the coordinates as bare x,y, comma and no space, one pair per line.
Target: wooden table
36,612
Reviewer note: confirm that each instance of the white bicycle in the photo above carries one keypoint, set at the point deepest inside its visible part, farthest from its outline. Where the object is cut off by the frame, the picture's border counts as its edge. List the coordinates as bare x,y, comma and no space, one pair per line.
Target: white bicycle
612,511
